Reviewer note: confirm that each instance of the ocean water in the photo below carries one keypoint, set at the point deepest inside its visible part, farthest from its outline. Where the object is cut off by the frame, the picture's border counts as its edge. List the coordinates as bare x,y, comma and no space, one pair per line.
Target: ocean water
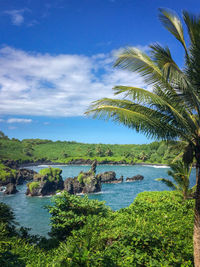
30,211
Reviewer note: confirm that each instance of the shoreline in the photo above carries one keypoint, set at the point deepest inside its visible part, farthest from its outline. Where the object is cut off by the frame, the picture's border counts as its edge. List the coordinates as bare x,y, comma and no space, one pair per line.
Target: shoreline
34,164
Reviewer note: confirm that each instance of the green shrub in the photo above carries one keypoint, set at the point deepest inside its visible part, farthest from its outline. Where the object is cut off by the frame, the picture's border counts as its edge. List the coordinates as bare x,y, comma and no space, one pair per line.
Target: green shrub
6,173
71,212
80,177
33,185
53,174
155,230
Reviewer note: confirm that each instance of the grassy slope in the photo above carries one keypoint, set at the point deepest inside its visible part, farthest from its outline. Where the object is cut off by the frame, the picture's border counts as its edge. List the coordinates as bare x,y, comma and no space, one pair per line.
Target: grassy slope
35,149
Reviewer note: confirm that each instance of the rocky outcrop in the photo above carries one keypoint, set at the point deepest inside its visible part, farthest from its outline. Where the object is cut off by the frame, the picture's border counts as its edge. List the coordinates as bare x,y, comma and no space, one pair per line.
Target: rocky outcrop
117,181
14,176
47,182
89,162
107,177
94,166
24,175
10,189
9,178
44,188
13,164
7,175
85,182
80,161
137,177
72,186
89,185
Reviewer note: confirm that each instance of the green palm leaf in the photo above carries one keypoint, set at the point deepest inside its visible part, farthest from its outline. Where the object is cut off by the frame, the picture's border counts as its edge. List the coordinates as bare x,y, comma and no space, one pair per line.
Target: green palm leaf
173,24
135,60
168,183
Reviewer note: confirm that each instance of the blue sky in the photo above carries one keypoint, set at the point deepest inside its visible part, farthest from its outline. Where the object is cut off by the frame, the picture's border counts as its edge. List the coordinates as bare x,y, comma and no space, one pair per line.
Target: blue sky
56,58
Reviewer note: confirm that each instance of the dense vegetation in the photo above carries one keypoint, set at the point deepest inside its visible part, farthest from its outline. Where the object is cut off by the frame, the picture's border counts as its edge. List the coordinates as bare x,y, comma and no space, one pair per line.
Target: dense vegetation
156,230
6,173
36,149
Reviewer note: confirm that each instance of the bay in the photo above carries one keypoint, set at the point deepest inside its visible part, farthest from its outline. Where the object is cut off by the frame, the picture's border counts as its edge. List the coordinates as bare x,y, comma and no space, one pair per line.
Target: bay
30,212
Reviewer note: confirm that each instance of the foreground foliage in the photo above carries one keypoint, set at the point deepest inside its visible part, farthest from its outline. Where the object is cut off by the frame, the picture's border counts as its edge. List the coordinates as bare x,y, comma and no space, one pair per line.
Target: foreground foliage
156,230
70,212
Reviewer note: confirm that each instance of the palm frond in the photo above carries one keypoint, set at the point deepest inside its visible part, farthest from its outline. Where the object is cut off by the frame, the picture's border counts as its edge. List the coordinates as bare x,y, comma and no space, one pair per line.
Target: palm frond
152,99
151,126
193,24
135,60
162,56
193,62
173,24
167,182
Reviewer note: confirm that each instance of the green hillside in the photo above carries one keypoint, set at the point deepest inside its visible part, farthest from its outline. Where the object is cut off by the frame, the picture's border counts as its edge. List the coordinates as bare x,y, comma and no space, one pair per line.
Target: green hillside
64,151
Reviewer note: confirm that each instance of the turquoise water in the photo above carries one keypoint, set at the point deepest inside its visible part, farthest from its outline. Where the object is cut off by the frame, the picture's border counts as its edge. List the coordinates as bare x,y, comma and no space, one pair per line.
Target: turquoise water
30,211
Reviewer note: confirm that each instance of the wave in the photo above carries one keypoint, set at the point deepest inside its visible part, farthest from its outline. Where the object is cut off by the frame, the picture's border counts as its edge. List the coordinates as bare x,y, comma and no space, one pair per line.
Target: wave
157,166
96,193
43,166
2,189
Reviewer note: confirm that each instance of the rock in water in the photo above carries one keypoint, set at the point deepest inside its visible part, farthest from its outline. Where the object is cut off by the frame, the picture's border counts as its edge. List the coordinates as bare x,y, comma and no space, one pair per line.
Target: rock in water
85,182
72,186
137,177
7,175
94,166
107,177
47,182
10,189
24,175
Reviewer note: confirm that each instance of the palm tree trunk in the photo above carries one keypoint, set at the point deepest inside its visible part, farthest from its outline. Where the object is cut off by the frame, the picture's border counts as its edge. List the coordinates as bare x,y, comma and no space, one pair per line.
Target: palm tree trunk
197,172
196,236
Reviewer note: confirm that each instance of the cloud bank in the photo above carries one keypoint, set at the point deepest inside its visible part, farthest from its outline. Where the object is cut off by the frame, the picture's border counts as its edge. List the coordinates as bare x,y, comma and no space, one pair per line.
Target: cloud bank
56,85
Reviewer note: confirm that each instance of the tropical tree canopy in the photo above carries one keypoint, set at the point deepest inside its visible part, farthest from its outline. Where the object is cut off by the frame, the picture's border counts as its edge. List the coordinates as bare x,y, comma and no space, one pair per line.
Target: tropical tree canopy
180,172
171,110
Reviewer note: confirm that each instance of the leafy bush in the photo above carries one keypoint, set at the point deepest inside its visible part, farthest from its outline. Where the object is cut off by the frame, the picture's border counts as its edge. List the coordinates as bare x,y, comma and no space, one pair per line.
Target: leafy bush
6,173
156,230
71,212
33,185
80,177
53,174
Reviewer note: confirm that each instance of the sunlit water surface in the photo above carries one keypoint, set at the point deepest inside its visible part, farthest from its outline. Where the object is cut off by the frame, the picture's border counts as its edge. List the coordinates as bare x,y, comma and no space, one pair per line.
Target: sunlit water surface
30,211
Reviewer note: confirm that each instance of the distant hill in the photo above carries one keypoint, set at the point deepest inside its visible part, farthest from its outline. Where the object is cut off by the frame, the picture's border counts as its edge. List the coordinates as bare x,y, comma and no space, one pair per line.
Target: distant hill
64,151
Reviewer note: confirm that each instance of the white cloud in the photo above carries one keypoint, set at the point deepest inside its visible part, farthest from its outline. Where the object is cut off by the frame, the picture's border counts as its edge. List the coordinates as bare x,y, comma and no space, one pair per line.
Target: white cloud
17,120
56,85
12,127
16,16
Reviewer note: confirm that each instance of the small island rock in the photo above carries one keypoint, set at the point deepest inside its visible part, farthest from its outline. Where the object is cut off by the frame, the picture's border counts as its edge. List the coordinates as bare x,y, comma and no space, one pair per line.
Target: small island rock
137,177
85,182
24,175
46,182
10,189
106,177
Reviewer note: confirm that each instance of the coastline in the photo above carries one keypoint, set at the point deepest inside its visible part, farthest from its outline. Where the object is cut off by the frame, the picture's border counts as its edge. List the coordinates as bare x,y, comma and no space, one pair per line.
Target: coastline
32,164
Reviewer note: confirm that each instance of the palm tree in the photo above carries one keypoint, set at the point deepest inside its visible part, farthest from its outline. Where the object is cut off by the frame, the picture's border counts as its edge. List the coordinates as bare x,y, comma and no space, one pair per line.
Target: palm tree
180,172
171,111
